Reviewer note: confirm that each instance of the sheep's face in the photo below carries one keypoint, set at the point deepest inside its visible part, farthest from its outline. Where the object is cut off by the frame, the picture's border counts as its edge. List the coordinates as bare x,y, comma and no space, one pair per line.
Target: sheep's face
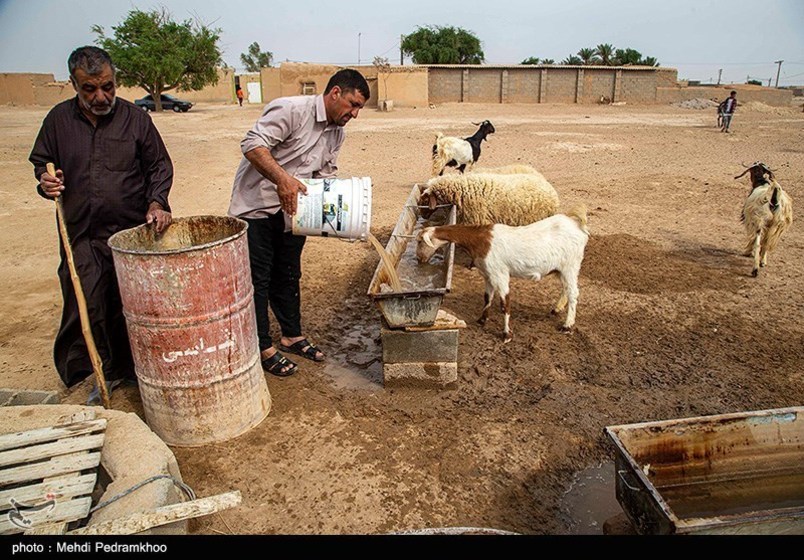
427,205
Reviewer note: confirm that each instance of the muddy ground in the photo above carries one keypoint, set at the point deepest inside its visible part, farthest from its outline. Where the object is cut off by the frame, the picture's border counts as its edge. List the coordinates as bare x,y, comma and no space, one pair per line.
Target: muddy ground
670,322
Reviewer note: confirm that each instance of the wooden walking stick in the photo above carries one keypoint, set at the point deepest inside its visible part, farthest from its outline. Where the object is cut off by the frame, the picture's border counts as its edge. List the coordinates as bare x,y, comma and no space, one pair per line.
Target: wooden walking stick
86,328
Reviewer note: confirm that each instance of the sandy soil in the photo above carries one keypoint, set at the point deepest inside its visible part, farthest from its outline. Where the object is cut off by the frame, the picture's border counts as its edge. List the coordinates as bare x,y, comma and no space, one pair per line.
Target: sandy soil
670,323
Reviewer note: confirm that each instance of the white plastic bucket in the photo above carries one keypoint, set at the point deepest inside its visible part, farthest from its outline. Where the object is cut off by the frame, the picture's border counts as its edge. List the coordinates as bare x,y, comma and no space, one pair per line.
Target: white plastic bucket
334,208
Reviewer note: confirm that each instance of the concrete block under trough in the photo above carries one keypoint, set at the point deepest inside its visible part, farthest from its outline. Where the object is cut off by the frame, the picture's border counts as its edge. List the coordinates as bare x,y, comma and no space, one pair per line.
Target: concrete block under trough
424,346
420,374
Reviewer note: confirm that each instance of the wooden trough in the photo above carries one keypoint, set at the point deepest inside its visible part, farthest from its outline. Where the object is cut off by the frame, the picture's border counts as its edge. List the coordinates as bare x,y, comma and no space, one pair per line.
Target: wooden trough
740,473
424,286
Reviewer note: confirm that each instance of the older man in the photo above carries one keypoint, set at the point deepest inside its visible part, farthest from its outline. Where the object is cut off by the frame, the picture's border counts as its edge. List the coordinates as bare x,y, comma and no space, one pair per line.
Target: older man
113,172
300,137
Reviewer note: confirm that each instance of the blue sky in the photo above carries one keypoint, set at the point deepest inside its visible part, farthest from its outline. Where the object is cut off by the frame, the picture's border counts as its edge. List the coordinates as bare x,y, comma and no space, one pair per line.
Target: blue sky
698,37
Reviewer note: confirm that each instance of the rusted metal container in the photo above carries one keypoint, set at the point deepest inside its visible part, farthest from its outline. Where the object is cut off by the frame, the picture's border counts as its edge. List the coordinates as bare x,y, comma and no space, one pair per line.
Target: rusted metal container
740,473
418,304
188,302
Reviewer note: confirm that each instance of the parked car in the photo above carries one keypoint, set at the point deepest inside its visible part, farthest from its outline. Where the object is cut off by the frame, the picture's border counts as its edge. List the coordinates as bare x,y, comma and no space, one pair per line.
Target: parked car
168,102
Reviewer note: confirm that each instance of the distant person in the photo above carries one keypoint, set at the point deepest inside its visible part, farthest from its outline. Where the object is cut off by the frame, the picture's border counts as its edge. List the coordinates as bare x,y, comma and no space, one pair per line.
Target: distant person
239,94
729,105
113,172
300,137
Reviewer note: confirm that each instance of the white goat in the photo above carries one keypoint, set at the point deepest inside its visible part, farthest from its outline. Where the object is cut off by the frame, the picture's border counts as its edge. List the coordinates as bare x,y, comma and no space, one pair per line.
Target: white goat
449,151
767,213
554,244
515,195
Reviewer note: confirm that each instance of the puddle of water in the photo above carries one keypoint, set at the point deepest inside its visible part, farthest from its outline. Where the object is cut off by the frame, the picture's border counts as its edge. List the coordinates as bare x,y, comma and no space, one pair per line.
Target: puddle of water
346,377
591,499
358,362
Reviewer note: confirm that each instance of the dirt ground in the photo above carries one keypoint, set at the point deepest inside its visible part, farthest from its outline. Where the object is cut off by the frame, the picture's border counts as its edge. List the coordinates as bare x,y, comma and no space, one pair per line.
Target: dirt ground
670,322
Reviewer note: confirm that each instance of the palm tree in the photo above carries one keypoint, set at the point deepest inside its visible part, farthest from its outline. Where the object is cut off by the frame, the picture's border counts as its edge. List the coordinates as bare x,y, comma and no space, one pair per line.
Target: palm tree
623,57
605,51
548,61
572,60
649,61
588,56
531,60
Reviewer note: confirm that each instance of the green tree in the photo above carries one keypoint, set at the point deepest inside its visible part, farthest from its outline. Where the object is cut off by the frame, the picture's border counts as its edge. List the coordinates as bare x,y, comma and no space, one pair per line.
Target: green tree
153,52
255,58
548,61
588,56
443,45
531,60
623,57
606,53
572,60
649,61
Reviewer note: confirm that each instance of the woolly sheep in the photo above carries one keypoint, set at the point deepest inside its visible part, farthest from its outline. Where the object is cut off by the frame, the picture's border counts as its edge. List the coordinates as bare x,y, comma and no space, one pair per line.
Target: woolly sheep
518,196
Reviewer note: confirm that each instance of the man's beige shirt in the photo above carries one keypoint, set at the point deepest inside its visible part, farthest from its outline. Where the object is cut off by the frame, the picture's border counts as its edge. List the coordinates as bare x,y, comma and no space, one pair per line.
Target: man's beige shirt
296,131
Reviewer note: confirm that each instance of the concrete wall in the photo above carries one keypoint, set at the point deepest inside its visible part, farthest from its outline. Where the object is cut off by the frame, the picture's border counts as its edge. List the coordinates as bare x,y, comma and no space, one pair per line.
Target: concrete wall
745,93
445,85
597,84
561,84
545,84
637,87
523,86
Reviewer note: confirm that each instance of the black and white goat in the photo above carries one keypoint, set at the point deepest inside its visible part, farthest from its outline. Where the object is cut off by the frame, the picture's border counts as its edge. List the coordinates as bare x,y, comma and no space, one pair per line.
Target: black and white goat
449,151
767,213
554,244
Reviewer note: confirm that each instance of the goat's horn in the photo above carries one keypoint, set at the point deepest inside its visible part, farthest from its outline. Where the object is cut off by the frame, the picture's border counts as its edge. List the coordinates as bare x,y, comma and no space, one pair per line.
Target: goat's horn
476,123
746,166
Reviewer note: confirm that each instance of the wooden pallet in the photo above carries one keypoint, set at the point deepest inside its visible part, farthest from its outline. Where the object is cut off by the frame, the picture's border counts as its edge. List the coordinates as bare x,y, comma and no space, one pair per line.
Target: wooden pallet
47,475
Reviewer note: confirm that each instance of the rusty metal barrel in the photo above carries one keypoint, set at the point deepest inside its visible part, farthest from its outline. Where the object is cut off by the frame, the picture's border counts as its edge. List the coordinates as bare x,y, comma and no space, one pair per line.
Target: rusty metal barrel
188,302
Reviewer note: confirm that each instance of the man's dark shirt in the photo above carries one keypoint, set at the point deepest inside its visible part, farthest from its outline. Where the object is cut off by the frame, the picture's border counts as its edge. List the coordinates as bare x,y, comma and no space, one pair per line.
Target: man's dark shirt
112,172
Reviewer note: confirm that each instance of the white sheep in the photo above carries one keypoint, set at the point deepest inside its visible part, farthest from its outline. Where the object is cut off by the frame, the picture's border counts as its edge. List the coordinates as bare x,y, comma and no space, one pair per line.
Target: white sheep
449,151
767,213
554,244
517,196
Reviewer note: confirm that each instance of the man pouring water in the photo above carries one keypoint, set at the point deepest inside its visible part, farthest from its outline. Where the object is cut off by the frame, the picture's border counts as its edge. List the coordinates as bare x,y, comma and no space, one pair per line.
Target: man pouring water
298,136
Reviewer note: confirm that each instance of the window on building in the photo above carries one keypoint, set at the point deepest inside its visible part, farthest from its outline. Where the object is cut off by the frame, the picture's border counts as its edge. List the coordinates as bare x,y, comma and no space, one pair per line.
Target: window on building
308,88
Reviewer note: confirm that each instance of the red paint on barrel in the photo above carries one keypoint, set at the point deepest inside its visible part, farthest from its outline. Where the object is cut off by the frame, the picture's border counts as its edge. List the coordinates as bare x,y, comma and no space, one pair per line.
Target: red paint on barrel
188,301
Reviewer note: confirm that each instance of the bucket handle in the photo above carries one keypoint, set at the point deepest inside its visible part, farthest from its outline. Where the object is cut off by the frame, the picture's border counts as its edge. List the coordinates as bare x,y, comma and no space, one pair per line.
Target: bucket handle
337,235
621,474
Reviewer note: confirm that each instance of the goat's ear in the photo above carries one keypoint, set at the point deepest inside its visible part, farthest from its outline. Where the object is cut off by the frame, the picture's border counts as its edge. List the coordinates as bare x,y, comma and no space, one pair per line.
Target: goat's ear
433,201
426,237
